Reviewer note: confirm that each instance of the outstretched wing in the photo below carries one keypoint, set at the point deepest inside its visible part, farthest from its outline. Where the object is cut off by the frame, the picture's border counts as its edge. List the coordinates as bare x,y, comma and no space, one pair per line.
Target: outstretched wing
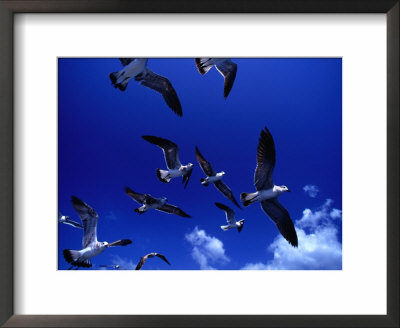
89,220
282,219
265,161
121,242
72,223
186,178
170,149
163,86
139,198
204,164
230,214
228,70
126,61
222,187
141,262
162,257
173,210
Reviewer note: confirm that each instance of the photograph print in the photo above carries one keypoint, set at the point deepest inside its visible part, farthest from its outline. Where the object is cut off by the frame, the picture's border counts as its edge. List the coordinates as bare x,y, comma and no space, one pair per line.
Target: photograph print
199,164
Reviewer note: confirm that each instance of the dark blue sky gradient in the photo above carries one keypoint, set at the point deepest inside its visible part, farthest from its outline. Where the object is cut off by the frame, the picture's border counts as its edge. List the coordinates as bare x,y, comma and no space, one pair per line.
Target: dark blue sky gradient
101,151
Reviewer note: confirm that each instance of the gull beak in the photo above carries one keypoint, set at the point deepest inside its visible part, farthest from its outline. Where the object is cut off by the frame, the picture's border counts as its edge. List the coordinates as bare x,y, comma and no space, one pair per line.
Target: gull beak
289,190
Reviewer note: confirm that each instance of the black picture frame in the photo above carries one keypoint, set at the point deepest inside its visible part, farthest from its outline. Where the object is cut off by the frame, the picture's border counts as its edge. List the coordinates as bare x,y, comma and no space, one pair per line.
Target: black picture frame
10,7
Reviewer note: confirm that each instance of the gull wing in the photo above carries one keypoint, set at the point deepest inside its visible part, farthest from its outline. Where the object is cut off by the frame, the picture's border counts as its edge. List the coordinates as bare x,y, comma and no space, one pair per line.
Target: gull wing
282,219
72,223
163,86
170,149
121,242
186,178
139,198
204,164
89,220
141,262
228,70
230,214
203,65
162,257
222,187
126,61
173,210
265,161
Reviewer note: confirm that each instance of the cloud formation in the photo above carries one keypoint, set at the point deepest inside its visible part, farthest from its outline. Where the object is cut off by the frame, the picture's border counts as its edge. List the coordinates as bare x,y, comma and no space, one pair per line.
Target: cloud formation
206,249
311,190
319,245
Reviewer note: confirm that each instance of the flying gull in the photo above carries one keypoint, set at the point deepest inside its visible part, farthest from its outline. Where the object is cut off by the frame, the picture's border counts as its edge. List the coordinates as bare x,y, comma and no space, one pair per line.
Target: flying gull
267,191
66,220
149,202
90,246
144,258
230,218
171,155
137,68
225,66
214,177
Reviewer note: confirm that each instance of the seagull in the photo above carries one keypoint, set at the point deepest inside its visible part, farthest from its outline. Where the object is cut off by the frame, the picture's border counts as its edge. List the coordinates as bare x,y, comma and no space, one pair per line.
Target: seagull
136,68
267,191
90,246
225,66
144,258
171,155
113,266
149,202
66,220
214,177
230,218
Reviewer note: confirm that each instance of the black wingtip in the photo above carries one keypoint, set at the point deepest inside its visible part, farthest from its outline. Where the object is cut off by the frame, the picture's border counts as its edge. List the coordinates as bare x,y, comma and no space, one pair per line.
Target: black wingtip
76,201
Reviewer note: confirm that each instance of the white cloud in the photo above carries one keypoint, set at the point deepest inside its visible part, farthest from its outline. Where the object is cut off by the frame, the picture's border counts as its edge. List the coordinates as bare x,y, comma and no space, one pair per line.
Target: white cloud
206,249
311,190
123,263
319,246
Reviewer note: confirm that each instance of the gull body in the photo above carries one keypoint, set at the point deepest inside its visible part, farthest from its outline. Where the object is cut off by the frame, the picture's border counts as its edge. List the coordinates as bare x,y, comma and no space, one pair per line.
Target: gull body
211,179
134,68
157,203
267,192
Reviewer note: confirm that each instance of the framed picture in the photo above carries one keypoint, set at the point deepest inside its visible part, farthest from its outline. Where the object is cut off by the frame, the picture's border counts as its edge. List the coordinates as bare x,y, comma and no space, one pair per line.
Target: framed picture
82,133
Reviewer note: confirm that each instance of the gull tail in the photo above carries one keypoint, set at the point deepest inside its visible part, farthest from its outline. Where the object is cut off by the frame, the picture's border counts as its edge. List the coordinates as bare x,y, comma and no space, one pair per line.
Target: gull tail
248,198
201,65
71,256
163,176
140,210
204,182
114,80
225,228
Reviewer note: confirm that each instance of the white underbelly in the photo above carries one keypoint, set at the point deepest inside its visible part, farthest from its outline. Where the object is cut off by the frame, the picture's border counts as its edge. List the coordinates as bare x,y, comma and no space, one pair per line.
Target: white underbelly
175,173
134,68
214,178
89,252
267,194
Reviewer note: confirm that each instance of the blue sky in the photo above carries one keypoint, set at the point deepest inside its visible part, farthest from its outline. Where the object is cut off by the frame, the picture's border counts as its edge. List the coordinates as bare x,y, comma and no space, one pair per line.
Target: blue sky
100,151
